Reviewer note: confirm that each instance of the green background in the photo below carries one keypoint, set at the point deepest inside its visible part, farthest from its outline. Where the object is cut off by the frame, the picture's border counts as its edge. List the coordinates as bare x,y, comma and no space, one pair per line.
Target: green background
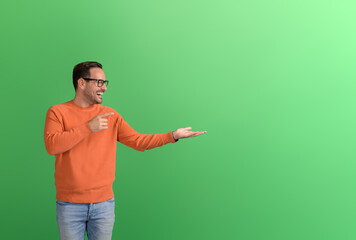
273,83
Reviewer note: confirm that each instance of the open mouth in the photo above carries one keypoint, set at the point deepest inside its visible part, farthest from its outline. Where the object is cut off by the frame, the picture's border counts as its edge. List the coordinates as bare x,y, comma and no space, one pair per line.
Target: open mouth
99,94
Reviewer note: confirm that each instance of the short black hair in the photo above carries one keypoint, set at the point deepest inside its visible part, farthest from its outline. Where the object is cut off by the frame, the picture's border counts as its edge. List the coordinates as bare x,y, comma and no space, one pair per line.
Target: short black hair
82,70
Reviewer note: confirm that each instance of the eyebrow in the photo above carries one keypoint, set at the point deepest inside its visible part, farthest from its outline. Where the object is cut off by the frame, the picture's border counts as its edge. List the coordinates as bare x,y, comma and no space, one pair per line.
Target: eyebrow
95,79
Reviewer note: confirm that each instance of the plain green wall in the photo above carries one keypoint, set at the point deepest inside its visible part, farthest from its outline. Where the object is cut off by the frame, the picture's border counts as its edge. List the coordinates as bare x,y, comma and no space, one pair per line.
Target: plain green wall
273,83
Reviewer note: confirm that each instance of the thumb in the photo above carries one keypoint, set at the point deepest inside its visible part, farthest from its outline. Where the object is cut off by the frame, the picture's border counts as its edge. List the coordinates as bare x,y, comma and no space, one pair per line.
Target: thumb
188,128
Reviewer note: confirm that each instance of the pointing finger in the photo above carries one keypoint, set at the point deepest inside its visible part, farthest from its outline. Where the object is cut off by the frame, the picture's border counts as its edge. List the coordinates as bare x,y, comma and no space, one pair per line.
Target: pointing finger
106,114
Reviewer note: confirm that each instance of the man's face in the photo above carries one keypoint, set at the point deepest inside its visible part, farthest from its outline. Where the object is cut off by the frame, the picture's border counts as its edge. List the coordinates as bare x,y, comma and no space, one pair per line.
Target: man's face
93,93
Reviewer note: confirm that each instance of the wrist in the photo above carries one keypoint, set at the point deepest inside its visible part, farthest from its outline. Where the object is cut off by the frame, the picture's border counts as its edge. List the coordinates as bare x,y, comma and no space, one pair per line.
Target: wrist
174,137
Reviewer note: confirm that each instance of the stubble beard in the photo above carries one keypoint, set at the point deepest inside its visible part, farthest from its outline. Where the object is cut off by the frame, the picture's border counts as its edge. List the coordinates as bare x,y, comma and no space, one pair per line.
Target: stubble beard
92,99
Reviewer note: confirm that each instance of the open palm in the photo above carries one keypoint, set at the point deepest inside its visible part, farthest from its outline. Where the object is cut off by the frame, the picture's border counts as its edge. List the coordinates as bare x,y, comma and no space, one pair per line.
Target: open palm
186,133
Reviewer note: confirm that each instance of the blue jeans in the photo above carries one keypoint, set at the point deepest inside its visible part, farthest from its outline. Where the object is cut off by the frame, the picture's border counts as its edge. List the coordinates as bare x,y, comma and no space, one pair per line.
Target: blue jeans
96,218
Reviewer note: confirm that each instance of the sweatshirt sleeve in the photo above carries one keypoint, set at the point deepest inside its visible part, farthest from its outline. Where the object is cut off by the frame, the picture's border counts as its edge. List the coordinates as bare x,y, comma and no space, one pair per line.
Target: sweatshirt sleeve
56,139
139,141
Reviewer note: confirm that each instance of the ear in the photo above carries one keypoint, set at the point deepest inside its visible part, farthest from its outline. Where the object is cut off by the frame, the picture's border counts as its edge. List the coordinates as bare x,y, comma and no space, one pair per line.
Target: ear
81,83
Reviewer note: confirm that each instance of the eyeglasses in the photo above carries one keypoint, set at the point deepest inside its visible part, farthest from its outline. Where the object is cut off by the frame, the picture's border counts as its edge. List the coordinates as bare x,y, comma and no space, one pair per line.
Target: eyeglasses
98,81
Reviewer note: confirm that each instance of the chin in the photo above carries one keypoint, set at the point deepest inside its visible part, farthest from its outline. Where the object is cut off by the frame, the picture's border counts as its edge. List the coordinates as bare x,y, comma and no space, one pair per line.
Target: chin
97,100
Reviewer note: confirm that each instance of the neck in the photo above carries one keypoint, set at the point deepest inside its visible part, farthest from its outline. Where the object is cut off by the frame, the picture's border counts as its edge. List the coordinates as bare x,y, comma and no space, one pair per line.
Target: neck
81,102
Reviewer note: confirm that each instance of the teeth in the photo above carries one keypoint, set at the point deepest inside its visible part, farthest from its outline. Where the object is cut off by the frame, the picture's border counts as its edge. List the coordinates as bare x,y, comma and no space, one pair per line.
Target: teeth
100,93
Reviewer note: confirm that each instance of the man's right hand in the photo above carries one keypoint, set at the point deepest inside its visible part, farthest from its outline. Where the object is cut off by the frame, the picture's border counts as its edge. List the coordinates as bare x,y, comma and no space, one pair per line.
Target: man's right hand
99,122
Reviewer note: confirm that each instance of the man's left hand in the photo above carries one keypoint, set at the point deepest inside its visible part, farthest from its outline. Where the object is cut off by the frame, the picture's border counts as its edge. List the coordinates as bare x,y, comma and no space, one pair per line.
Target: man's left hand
186,133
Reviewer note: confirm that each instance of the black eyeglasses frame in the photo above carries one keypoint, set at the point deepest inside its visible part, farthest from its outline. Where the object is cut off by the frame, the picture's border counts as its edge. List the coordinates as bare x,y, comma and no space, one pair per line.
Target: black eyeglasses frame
99,82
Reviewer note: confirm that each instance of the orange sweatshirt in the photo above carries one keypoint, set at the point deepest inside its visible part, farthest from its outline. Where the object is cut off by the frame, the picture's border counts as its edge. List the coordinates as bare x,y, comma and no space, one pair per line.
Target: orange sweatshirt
85,161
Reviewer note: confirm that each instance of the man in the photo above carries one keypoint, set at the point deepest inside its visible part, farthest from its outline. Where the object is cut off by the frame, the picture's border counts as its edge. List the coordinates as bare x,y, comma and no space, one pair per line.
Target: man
82,134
